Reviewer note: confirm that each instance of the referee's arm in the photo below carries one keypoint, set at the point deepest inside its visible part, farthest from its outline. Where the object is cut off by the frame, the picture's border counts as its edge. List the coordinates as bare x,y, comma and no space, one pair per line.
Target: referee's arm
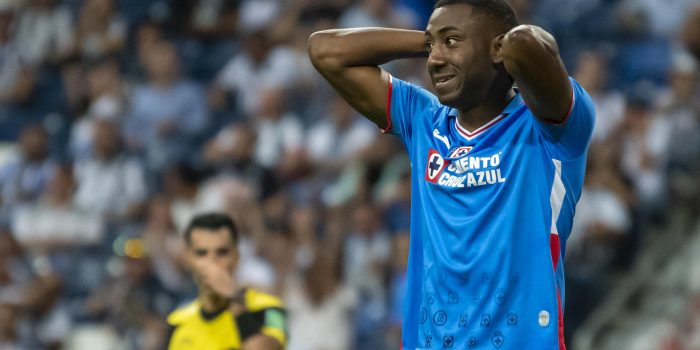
262,342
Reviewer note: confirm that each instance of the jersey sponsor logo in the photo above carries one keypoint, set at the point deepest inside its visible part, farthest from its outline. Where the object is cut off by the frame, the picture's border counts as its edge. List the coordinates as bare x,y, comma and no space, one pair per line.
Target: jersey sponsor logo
460,152
444,139
463,170
436,164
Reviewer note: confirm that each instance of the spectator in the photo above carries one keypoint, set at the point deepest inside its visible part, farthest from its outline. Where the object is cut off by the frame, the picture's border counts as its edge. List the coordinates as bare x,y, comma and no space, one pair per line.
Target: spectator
645,140
280,134
167,112
258,65
602,241
366,251
250,216
23,177
333,141
143,36
34,318
105,107
100,30
45,33
104,98
690,34
55,222
321,304
680,108
605,213
165,247
400,244
661,19
232,152
16,77
188,195
15,277
133,303
592,71
378,13
207,19
110,183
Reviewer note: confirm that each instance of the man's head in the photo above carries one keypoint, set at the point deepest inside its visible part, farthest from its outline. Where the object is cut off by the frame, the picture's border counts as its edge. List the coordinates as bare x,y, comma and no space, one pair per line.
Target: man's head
33,142
461,38
592,71
162,62
211,238
106,138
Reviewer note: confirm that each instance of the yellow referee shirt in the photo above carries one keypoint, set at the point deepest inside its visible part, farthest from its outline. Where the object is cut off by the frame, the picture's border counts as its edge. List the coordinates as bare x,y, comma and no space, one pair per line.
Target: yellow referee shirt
193,328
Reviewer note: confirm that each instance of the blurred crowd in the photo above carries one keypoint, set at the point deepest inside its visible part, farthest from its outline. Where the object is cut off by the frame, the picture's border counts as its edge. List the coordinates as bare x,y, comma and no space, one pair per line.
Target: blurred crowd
121,119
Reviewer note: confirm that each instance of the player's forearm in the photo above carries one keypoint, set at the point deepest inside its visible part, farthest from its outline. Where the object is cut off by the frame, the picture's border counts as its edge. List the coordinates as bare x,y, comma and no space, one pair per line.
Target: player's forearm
261,342
340,48
531,57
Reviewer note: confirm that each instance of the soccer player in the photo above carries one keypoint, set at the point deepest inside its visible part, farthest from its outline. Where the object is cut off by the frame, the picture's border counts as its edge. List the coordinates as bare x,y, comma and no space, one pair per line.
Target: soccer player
498,158
224,316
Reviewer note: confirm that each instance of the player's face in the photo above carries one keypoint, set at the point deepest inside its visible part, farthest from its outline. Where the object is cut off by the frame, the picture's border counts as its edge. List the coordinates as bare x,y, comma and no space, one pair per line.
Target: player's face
459,63
212,247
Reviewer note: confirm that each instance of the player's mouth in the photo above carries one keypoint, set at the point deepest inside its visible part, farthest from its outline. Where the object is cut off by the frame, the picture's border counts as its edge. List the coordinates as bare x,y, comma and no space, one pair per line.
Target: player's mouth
443,81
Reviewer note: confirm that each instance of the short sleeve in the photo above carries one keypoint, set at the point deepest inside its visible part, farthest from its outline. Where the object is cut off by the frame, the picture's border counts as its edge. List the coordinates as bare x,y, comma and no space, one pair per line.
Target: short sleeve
569,139
275,325
405,101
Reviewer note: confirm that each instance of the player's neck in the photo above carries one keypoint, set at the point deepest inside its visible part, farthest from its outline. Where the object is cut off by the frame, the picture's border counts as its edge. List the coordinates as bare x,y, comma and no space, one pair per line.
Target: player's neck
475,117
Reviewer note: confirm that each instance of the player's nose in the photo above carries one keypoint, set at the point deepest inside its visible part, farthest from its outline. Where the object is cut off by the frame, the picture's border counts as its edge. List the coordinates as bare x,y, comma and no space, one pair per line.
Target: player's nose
436,58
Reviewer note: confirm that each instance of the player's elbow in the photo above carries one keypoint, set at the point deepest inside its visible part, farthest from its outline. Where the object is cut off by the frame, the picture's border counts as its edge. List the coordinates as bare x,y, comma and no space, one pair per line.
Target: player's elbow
322,52
527,38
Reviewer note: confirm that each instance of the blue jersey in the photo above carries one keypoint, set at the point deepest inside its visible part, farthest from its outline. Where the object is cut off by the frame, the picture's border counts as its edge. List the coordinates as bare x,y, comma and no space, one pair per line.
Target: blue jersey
490,214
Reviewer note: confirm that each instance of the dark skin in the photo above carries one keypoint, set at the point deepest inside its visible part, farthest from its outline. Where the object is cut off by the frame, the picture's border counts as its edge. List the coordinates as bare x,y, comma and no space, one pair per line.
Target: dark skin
471,61
212,256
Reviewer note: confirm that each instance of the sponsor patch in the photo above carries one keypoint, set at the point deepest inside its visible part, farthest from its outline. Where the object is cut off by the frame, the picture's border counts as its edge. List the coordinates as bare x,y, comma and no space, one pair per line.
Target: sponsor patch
460,151
436,164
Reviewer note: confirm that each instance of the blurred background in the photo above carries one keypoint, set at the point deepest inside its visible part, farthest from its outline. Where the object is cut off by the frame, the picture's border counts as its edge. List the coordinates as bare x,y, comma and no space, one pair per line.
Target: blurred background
120,119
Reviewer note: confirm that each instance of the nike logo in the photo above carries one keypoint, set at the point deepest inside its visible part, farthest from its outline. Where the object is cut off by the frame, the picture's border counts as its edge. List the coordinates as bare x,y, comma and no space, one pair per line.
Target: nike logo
442,138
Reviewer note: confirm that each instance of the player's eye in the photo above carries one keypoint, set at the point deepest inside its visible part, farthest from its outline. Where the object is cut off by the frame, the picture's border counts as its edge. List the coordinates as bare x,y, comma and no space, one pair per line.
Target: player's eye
428,46
222,251
451,41
200,252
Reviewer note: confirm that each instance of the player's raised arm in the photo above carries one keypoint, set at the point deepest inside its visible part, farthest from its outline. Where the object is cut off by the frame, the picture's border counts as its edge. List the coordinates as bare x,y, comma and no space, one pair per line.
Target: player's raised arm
531,57
349,60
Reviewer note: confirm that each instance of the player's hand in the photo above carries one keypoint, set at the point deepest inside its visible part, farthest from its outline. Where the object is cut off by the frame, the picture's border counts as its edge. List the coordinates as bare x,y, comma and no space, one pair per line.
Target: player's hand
217,279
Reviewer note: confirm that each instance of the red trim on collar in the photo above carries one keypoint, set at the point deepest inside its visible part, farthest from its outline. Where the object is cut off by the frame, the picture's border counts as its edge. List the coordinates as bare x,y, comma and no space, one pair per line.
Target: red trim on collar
472,134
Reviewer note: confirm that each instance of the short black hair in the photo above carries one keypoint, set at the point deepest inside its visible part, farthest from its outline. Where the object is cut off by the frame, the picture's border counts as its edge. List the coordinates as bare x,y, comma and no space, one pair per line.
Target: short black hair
211,221
496,9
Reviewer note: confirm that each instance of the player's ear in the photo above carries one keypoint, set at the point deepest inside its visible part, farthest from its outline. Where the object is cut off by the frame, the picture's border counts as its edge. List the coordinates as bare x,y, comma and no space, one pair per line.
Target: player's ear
187,259
496,45
235,256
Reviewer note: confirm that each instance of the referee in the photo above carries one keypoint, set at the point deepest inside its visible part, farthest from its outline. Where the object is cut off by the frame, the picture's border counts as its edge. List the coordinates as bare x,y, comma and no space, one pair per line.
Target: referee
223,316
